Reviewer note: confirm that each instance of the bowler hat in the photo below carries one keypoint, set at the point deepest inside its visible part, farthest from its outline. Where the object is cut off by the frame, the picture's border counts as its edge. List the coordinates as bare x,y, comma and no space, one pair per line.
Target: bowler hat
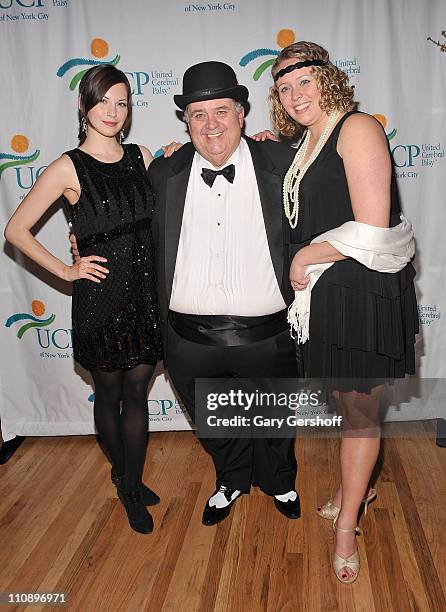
210,81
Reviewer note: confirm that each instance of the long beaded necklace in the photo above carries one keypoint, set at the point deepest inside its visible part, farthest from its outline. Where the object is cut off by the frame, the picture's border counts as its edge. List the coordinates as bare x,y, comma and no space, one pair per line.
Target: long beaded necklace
295,174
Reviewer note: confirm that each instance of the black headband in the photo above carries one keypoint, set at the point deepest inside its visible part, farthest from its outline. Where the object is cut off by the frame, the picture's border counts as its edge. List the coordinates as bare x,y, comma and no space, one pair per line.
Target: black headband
292,67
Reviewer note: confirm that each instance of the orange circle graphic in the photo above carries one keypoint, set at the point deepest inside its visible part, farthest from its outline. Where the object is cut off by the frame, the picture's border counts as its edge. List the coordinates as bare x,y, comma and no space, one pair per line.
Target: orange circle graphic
38,307
99,47
285,37
19,143
381,118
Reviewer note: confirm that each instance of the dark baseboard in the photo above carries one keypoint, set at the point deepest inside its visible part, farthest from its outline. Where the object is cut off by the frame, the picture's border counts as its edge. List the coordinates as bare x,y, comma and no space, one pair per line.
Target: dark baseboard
7,449
441,433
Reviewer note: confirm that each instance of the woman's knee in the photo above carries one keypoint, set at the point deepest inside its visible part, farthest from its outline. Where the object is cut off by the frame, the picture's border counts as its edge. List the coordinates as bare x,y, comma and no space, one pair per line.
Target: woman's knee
136,383
360,412
134,392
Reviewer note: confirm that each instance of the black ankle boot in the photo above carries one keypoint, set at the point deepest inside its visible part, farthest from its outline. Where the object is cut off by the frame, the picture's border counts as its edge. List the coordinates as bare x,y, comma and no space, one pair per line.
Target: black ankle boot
148,497
137,514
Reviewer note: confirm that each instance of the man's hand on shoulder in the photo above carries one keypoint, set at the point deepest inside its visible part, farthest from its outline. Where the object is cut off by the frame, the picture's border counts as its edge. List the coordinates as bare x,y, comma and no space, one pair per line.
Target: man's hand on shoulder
171,148
264,135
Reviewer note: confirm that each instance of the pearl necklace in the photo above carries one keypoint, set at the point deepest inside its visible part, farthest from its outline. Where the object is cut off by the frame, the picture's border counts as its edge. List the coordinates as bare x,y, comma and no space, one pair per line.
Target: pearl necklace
295,174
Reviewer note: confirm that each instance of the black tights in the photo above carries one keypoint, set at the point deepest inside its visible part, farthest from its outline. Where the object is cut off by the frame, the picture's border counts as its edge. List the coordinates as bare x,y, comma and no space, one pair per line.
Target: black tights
123,428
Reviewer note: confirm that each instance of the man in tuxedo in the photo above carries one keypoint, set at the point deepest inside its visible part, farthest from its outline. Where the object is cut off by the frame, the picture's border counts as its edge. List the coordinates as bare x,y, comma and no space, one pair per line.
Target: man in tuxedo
222,268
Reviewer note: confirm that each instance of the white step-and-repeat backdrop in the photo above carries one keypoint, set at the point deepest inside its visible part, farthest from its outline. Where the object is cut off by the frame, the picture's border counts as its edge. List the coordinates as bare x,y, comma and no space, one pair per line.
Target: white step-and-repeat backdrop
395,54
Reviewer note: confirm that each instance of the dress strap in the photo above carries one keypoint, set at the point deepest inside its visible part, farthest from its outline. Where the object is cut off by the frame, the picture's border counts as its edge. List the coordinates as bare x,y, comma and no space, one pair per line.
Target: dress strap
340,123
136,155
73,154
79,166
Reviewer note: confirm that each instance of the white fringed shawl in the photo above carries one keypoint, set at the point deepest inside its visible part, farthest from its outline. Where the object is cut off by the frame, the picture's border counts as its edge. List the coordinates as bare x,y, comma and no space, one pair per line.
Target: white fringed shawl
379,248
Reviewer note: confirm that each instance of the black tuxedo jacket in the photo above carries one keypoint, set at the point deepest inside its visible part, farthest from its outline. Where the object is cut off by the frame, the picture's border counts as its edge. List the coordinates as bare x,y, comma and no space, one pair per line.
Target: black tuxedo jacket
169,178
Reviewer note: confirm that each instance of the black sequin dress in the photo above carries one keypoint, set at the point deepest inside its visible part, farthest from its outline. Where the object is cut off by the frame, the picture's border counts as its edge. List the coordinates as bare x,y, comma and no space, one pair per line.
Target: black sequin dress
115,322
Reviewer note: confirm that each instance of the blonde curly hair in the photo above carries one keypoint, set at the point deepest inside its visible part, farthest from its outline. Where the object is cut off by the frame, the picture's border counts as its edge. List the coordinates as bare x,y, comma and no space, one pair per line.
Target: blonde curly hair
336,93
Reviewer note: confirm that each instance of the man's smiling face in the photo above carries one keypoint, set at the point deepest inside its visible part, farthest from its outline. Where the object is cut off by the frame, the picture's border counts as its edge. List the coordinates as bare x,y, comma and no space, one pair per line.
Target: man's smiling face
215,128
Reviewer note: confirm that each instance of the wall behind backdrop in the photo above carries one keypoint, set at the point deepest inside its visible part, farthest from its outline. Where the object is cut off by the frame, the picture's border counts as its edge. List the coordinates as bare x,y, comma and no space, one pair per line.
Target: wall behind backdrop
395,54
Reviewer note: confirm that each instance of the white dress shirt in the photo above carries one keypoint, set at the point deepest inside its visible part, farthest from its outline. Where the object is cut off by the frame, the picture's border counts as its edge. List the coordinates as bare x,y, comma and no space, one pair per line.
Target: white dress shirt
223,263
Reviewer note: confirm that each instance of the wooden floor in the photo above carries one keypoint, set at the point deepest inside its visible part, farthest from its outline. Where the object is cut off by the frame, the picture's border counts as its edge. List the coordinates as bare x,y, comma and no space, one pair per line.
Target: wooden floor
62,529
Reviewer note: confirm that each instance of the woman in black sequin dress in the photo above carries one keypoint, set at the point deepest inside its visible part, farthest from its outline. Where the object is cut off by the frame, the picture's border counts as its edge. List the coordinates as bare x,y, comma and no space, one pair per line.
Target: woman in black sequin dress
116,333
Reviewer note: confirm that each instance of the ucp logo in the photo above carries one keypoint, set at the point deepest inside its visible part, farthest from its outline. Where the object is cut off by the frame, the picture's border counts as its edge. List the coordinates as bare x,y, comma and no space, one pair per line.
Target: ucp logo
38,308
162,407
138,80
20,160
100,54
7,4
284,38
20,145
99,49
403,155
56,343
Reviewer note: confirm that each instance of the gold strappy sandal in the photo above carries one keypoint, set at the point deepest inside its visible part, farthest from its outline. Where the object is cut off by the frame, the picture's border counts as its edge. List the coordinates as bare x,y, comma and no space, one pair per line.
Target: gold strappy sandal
330,511
352,562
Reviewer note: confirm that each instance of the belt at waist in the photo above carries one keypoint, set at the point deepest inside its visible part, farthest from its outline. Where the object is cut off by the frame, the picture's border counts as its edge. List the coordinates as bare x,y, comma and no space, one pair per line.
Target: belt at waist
227,330
132,227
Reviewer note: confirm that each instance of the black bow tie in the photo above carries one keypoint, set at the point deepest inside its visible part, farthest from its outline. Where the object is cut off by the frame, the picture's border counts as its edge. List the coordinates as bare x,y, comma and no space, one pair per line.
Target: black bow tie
209,175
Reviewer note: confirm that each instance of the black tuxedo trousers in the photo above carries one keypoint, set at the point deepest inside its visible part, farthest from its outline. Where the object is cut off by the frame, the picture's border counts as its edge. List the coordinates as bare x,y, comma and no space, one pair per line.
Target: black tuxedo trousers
239,462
